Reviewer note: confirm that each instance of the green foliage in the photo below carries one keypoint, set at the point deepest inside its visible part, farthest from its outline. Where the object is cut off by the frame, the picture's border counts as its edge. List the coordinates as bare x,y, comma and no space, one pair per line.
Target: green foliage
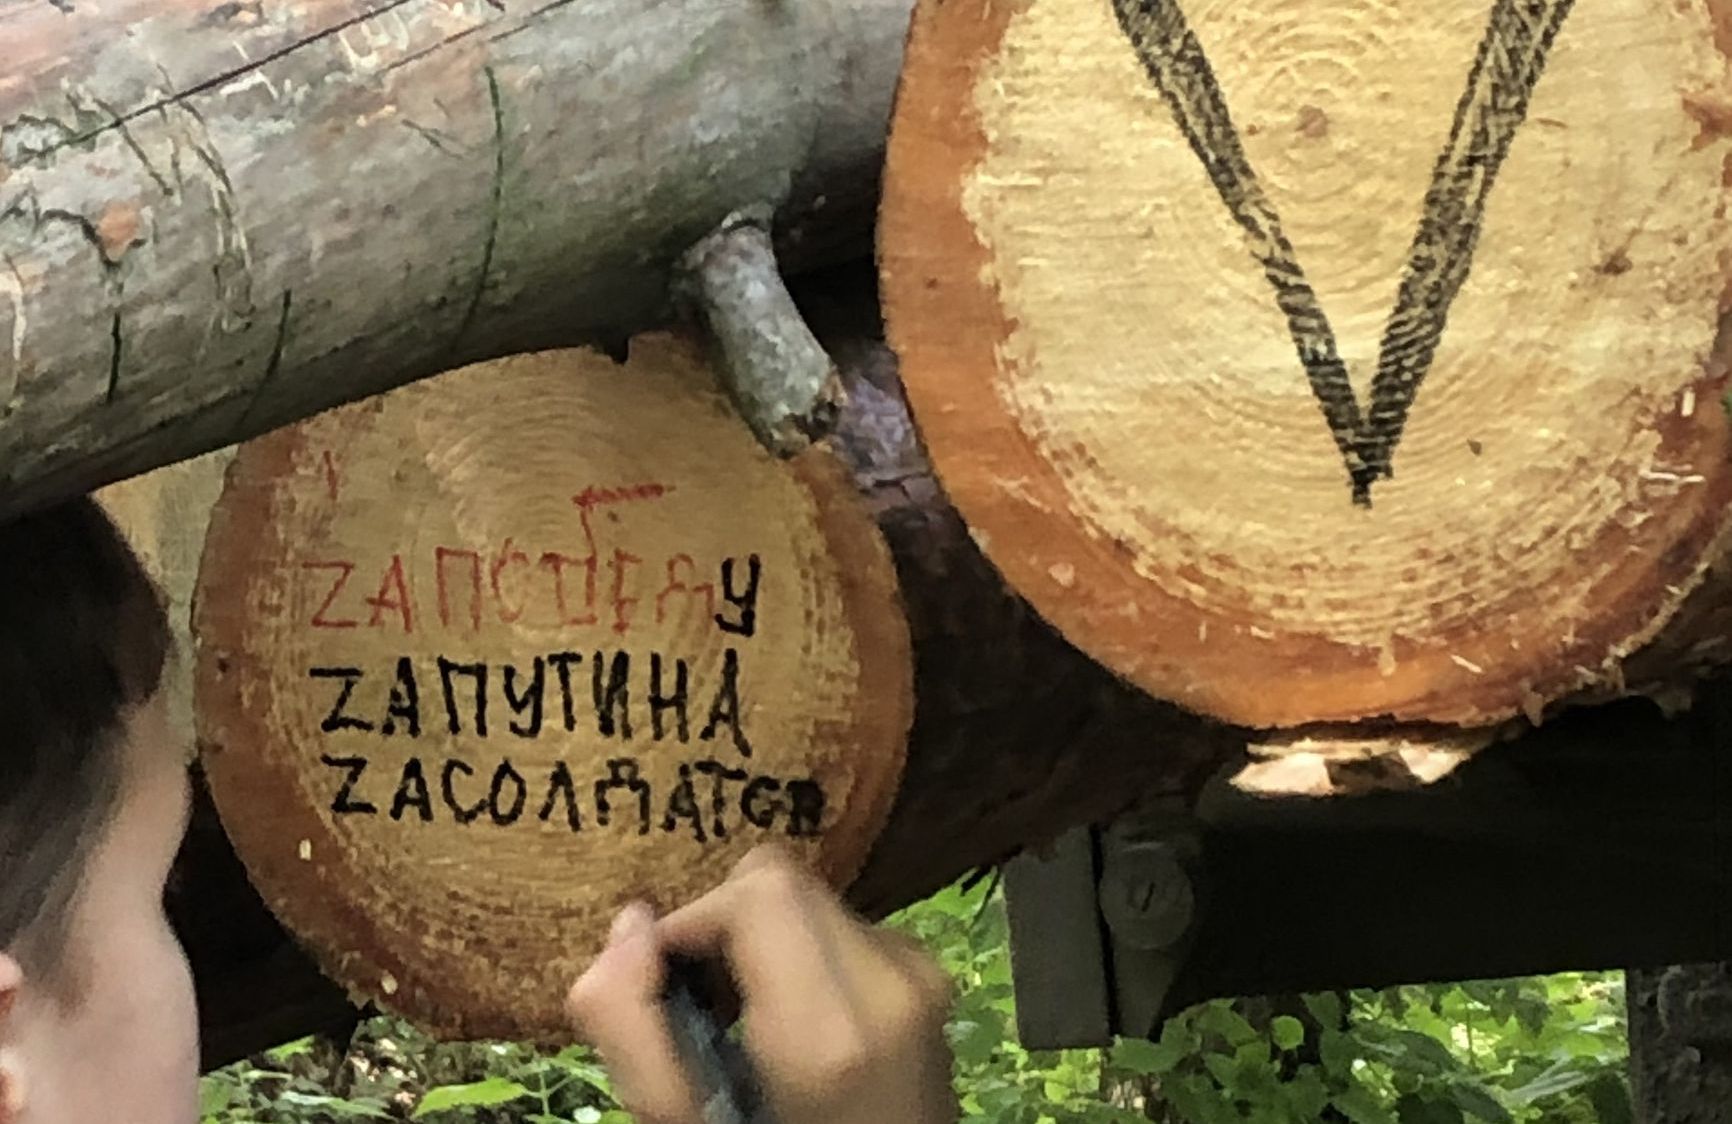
999,1080
476,1094
389,1072
1521,1051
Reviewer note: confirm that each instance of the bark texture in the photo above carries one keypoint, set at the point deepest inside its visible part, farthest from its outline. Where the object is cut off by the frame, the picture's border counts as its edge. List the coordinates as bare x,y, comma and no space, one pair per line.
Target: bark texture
1017,735
193,196
1681,1044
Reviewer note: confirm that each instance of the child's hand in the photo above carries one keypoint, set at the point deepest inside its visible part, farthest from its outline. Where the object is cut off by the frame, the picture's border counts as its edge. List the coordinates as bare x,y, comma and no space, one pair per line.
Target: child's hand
844,1021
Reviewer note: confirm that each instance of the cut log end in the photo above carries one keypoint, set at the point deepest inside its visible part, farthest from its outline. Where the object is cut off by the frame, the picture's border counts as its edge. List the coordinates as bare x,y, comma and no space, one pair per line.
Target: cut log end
1335,366
479,663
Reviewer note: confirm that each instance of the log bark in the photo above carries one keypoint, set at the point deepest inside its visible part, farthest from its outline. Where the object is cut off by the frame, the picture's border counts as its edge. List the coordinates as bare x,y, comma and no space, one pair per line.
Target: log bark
191,198
256,988
1016,735
1681,1043
1167,279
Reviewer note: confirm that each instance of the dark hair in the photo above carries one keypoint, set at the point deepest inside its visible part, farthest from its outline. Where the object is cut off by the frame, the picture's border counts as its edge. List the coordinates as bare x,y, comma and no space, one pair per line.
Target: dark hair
83,638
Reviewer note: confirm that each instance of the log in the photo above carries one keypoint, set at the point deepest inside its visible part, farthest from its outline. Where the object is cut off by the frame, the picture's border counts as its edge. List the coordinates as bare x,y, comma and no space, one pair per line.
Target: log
484,659
192,197
1016,735
1326,362
1681,1043
256,988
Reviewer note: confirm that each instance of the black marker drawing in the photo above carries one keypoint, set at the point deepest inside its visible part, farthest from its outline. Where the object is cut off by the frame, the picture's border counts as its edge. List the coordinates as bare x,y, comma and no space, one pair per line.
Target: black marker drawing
1511,58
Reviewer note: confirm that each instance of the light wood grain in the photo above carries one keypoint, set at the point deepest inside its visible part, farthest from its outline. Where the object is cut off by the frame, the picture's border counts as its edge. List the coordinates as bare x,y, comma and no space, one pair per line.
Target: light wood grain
1116,401
502,515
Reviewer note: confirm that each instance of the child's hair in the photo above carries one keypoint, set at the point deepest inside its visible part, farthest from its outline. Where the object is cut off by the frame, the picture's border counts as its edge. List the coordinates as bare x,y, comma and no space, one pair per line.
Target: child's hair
83,638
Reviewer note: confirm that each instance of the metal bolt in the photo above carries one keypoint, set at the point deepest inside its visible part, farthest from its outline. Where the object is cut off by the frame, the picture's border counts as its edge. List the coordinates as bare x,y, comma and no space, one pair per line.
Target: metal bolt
1146,895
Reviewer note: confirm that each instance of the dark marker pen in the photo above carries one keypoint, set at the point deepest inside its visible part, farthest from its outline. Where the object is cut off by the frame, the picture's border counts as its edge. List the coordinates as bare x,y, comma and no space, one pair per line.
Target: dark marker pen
723,1077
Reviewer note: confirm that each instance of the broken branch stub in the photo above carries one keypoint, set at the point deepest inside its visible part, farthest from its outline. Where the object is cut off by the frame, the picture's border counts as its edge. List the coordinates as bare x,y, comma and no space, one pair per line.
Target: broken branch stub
478,665
219,218
772,366
1325,361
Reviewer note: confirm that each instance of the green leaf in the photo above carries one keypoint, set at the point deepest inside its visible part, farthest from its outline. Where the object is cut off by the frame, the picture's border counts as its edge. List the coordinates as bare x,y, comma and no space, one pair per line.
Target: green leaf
1338,1053
1000,1102
1485,992
1288,1032
214,1097
477,1094
1304,1096
1476,1101
334,1106
1560,1078
1222,1069
289,1050
1361,1107
1142,1057
1219,1018
1610,1097
574,1057
1413,1109
1412,1050
1200,1102
1532,1011
1325,1007
975,1043
1178,1034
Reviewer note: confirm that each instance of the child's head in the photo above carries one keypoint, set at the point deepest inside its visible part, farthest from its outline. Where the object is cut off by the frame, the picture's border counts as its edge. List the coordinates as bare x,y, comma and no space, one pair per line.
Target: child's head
96,1015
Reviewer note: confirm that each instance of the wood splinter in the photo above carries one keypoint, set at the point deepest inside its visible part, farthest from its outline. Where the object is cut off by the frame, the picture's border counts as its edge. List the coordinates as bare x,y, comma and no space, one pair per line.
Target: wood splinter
777,374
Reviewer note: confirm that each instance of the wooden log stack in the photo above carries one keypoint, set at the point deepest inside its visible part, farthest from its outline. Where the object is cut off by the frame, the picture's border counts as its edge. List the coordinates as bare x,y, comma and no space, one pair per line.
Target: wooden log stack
1015,735
1335,381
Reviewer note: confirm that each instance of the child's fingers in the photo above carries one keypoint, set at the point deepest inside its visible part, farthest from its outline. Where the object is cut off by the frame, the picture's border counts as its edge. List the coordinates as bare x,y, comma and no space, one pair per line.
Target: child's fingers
777,930
828,1000
616,1007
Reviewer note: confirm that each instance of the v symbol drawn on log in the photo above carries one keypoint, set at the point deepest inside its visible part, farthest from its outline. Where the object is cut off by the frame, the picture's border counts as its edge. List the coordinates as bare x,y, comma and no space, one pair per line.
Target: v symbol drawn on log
1511,58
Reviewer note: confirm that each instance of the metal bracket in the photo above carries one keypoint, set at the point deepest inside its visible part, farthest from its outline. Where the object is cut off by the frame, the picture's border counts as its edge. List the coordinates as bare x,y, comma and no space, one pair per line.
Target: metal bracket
1058,946
1149,896
1248,895
1100,925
